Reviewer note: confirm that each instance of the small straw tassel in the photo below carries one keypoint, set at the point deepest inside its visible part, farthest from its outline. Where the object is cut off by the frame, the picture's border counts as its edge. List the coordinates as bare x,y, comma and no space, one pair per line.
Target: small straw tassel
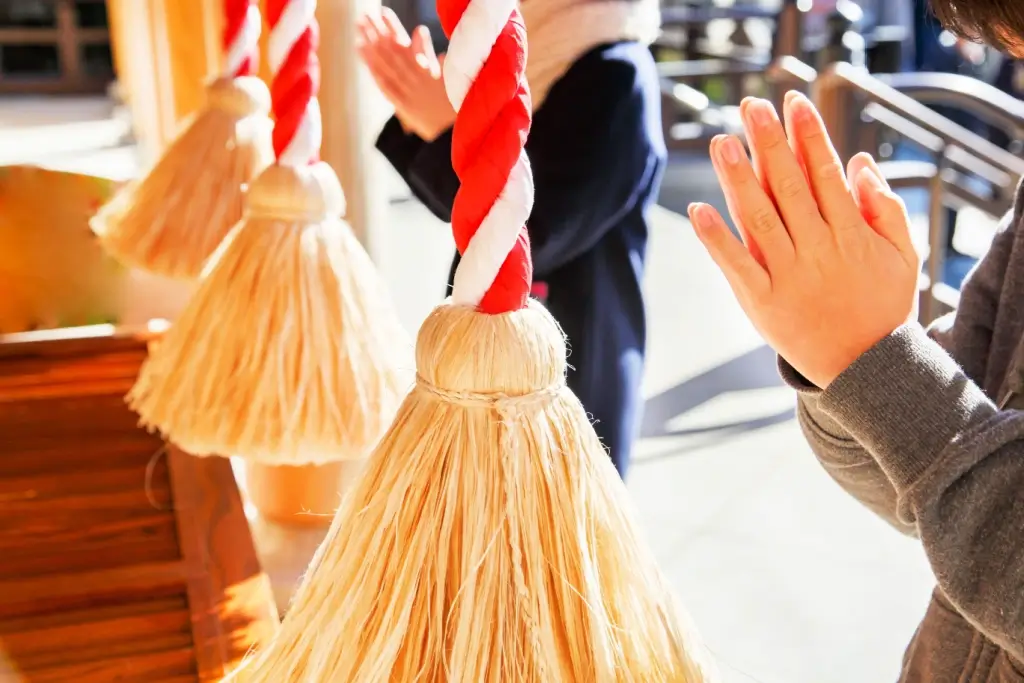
489,539
171,220
290,352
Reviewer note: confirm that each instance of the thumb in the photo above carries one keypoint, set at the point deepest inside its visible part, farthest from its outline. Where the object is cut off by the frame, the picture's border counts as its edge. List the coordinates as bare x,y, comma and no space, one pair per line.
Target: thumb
883,209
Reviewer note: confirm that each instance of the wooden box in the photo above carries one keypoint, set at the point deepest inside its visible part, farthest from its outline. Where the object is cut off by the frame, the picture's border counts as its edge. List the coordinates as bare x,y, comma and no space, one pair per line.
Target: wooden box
123,559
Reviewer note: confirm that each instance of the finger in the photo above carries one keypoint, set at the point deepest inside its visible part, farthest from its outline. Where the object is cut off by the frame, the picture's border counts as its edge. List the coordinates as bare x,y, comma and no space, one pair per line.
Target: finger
732,204
884,210
376,22
786,181
366,31
385,59
745,276
754,208
828,182
394,25
422,43
423,49
860,161
384,75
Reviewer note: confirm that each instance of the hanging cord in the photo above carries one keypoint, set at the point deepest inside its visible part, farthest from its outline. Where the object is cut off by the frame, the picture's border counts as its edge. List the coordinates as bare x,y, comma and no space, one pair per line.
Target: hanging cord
291,51
241,38
485,77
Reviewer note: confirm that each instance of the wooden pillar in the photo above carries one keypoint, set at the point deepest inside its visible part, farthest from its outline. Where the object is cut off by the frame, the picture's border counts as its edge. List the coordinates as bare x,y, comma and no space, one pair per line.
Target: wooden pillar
351,112
164,51
67,42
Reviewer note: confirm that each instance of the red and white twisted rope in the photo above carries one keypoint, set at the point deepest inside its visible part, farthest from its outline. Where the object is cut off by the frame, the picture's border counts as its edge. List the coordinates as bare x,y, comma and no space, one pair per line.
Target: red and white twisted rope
241,37
485,77
291,51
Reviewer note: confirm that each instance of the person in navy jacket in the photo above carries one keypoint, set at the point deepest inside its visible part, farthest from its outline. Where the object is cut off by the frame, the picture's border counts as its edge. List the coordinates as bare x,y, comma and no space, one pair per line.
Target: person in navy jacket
598,154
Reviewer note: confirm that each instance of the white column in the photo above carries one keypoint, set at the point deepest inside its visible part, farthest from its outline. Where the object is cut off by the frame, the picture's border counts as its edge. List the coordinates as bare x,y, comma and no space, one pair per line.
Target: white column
353,112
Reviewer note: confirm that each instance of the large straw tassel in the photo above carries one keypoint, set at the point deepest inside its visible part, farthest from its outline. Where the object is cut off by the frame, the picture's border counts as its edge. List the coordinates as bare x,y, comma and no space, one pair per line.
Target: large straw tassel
489,539
289,352
171,220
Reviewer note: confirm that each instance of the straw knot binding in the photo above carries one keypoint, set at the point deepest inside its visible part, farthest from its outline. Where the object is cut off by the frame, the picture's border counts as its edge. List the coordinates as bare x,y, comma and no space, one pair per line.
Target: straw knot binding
505,404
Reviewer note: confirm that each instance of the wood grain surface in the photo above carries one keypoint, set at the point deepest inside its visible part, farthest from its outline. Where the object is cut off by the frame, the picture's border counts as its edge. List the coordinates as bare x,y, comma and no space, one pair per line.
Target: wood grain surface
121,558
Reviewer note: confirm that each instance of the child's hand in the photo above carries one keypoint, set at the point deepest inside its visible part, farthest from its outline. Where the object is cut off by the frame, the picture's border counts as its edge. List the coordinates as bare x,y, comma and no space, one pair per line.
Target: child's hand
407,71
826,272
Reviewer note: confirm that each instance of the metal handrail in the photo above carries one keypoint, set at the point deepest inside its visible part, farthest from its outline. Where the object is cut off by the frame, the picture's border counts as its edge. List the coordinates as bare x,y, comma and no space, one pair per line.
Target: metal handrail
840,92
683,16
685,70
909,108
982,99
869,86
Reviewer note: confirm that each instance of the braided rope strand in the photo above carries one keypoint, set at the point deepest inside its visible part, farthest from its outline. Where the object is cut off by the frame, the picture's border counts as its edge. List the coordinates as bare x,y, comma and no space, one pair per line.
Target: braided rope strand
485,77
241,38
291,52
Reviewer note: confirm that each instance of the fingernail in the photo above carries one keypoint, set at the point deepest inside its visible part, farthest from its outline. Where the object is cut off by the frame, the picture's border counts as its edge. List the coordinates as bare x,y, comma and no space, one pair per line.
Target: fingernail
698,214
761,113
730,151
868,177
802,108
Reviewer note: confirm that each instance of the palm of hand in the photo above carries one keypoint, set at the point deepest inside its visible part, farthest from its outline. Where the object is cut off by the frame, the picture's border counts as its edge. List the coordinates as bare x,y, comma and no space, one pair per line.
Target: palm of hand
407,71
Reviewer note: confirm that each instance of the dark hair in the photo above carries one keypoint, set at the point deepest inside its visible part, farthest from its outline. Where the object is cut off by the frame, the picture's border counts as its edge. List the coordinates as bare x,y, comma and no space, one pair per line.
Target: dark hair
1000,23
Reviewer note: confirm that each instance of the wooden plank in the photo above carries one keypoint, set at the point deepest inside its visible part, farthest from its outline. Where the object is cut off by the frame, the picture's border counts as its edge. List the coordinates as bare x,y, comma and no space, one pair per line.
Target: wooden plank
66,608
78,416
229,591
108,546
149,668
144,644
93,613
37,454
42,486
122,559
151,576
77,341
99,639
43,369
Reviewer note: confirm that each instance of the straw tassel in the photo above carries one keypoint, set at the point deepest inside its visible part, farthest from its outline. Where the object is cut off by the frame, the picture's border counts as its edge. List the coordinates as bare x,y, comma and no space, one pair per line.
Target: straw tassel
489,538
290,352
171,220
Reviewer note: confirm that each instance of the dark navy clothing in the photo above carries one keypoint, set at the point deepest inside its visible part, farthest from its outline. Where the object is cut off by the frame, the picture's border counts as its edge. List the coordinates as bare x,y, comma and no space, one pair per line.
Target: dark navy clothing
598,153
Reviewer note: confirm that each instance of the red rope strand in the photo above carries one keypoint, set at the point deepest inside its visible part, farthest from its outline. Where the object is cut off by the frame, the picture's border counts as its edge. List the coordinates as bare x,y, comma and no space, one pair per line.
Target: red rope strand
296,83
490,132
235,12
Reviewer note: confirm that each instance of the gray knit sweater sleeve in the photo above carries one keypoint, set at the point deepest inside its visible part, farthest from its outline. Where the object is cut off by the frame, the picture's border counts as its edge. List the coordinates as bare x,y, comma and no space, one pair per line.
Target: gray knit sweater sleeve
907,430
956,463
966,336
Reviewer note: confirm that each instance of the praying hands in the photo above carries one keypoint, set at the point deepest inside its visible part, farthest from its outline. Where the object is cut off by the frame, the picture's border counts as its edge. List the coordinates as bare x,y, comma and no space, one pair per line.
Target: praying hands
826,267
407,71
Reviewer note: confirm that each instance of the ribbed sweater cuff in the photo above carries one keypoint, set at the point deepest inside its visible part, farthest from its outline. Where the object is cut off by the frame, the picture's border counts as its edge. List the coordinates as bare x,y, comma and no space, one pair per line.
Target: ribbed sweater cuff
906,401
809,398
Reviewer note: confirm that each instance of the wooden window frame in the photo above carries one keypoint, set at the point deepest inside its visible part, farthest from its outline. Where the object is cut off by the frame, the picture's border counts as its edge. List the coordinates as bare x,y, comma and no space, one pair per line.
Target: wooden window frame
69,40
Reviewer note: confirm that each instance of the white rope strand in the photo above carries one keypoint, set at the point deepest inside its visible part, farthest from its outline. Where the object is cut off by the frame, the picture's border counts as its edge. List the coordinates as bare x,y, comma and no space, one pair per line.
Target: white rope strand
297,17
471,43
245,44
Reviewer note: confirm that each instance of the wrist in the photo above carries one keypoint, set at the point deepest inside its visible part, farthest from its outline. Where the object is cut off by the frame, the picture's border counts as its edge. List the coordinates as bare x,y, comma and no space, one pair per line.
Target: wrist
824,373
